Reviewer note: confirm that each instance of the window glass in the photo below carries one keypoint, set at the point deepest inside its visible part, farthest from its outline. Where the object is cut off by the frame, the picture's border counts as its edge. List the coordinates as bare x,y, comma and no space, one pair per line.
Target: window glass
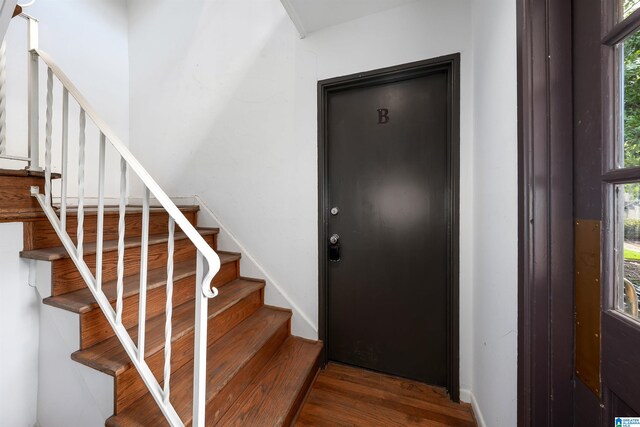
630,105
629,6
628,233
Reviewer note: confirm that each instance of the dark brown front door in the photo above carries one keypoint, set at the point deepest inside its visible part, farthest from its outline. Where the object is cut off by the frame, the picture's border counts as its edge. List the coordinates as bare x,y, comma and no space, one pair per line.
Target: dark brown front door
390,217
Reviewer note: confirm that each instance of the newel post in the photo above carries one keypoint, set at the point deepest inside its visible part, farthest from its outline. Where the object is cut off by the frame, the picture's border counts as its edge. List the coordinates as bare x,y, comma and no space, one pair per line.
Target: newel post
33,93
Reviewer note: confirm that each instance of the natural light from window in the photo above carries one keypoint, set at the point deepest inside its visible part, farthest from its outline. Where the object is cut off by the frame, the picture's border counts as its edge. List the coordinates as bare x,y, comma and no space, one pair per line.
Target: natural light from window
628,198
630,6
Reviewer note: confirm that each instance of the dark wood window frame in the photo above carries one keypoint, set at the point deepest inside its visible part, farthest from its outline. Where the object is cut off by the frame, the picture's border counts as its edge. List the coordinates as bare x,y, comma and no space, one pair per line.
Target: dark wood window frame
616,326
545,213
545,152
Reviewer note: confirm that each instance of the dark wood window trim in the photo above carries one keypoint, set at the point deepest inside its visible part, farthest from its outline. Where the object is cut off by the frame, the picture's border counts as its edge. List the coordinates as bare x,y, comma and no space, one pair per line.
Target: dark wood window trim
623,29
619,332
545,211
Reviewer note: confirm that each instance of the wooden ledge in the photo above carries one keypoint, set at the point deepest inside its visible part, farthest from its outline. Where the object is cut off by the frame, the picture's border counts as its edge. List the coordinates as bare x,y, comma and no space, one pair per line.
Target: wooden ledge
26,173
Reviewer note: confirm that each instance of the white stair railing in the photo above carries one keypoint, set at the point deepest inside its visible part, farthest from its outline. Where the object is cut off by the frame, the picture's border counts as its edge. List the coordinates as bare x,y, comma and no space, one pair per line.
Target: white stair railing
33,157
207,262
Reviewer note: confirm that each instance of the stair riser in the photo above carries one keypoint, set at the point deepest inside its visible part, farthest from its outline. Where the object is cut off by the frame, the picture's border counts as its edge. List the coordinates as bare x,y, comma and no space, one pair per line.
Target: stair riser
16,202
128,385
218,406
39,234
302,395
94,326
228,272
66,278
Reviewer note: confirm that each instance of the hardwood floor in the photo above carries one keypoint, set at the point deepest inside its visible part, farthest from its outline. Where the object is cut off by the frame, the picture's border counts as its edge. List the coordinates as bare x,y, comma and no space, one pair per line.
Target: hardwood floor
348,396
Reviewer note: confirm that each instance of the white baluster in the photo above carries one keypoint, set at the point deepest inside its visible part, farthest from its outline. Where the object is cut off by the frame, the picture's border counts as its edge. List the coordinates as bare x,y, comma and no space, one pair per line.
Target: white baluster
144,254
200,347
80,233
121,229
169,312
65,155
3,97
34,97
47,137
100,219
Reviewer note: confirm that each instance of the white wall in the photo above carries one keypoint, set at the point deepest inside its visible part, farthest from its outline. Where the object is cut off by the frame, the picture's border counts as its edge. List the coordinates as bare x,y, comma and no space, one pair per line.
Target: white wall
19,333
88,40
495,304
223,105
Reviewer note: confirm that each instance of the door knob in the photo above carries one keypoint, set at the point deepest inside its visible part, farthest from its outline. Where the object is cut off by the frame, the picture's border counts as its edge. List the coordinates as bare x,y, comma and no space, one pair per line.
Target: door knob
334,239
335,211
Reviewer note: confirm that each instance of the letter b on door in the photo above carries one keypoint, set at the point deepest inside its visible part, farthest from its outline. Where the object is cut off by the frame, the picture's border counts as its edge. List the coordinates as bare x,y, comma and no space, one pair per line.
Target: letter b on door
383,116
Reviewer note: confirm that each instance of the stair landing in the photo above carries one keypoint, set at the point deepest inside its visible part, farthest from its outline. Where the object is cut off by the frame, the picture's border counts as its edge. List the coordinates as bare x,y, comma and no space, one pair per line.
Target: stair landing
16,202
348,396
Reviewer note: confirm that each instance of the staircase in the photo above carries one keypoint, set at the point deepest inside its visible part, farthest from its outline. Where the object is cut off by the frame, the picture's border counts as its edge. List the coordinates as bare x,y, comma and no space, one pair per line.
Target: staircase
187,339
257,373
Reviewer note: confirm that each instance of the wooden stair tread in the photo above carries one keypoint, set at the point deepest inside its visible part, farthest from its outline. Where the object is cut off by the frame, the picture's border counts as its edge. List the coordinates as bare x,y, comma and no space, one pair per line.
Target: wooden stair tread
59,252
275,395
17,215
27,173
110,357
225,358
82,301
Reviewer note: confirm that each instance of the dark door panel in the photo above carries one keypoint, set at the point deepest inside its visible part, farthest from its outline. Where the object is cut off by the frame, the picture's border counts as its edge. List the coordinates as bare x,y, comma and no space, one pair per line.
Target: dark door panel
389,172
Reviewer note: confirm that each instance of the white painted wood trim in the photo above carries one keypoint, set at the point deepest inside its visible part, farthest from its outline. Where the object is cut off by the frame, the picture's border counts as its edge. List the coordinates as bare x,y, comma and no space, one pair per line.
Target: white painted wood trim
476,411
247,254
295,18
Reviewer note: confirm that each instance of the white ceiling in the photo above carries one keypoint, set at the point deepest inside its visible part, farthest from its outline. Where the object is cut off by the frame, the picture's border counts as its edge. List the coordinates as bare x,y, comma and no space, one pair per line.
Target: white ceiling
312,15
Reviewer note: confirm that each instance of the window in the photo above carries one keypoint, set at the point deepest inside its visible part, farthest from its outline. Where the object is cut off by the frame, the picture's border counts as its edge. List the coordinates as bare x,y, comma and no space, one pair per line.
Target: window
626,195
628,236
629,6
630,107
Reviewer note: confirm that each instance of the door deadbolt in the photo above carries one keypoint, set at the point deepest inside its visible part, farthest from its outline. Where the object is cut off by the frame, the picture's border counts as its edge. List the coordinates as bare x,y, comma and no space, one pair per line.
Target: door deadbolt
334,248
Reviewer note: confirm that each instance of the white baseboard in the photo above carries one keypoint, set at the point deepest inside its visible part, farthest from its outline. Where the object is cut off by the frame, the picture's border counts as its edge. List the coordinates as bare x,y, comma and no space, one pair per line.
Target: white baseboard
476,410
274,293
307,328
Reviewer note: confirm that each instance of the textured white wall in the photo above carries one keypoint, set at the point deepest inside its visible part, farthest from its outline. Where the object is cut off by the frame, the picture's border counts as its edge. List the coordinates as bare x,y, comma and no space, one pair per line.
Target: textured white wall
223,105
88,40
19,333
495,255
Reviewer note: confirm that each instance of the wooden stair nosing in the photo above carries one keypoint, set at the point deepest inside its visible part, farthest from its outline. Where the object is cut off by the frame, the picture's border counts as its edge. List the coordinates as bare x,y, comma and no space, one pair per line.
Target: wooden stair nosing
29,215
110,357
275,396
225,359
59,252
23,173
130,209
82,301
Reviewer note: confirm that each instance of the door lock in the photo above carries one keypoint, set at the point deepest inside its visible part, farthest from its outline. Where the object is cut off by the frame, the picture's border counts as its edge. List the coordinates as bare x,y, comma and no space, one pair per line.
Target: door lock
334,248
335,211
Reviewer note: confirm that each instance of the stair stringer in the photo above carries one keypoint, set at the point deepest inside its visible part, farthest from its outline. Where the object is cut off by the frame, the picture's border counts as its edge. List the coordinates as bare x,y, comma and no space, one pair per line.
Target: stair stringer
69,394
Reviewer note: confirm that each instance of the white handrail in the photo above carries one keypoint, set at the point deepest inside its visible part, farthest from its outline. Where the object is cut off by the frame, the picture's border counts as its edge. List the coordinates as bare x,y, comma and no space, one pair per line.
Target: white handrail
209,254
207,261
